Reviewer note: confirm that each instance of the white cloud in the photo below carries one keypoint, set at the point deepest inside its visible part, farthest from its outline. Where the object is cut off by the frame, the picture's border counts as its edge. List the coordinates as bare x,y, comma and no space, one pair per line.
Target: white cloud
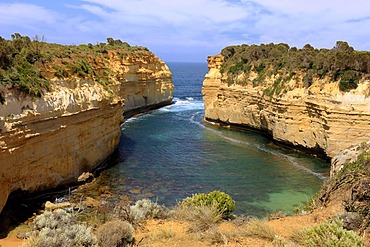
319,22
199,27
25,14
184,22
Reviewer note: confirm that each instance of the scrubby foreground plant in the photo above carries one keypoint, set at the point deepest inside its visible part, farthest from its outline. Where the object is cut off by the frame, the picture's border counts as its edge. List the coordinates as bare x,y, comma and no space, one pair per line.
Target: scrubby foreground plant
139,211
202,217
223,202
115,233
328,234
59,229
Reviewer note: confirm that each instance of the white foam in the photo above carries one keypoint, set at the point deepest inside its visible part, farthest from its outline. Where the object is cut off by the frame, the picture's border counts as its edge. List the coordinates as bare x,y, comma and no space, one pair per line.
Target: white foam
184,105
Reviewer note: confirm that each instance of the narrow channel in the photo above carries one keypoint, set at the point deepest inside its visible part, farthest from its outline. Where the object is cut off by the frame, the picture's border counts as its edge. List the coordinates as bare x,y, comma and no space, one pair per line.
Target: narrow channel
171,153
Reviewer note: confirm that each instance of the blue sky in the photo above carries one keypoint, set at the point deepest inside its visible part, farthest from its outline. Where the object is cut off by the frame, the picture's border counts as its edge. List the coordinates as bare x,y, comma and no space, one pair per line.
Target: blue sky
190,30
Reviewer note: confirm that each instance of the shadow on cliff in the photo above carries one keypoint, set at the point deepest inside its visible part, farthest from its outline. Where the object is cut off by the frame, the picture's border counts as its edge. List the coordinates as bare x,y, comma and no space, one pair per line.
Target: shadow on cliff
22,205
121,153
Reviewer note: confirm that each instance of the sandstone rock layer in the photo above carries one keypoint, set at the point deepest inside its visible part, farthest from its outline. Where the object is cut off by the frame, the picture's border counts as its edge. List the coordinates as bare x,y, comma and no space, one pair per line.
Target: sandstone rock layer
319,117
49,141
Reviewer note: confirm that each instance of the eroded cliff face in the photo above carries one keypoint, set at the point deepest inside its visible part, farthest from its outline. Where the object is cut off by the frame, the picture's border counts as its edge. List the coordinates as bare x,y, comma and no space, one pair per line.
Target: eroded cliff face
319,117
49,141
145,82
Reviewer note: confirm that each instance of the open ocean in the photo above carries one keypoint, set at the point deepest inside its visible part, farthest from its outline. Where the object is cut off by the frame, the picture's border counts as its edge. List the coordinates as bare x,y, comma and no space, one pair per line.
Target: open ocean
171,153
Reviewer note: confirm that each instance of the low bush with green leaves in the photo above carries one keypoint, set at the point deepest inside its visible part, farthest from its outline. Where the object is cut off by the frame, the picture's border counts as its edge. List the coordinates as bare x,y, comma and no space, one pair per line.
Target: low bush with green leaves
30,64
328,234
224,203
340,64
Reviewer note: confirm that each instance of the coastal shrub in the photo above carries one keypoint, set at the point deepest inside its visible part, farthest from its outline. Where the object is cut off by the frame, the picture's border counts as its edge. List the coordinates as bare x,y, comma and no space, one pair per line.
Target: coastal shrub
202,217
328,234
146,209
341,63
354,180
115,233
224,203
60,228
26,63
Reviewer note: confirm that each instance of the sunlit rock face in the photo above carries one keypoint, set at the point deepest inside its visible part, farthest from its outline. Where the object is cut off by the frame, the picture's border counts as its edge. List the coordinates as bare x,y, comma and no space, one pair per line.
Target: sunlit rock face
49,141
319,118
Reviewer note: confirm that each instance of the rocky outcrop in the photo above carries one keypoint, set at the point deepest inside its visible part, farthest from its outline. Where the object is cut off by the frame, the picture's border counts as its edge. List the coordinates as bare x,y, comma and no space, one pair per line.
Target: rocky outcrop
145,82
49,141
347,156
319,117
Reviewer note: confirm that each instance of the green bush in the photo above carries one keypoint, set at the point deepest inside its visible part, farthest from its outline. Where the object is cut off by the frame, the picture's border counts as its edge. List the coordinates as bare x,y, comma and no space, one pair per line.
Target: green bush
328,234
225,204
340,64
24,63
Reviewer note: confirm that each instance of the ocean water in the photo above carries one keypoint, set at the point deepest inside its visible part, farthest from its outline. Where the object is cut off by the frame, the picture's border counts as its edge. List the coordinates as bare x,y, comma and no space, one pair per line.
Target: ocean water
170,154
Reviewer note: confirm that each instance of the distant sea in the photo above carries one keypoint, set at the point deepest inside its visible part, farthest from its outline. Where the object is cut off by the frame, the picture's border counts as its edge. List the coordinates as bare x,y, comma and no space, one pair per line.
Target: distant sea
170,154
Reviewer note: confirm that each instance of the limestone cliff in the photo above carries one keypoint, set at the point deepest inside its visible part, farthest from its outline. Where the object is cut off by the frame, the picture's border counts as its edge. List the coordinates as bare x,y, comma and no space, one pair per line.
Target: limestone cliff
317,116
49,141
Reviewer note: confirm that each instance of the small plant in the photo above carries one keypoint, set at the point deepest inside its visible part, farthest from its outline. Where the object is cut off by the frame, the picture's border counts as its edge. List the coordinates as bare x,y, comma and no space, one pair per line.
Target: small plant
59,229
115,233
217,237
327,234
224,203
203,217
146,209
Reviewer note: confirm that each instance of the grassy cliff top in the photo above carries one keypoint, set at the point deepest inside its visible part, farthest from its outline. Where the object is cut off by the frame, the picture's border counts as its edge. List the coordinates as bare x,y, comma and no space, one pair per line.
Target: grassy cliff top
341,63
29,64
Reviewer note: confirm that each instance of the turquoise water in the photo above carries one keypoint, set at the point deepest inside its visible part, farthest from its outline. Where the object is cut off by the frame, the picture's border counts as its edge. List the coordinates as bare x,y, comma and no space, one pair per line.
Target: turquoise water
171,153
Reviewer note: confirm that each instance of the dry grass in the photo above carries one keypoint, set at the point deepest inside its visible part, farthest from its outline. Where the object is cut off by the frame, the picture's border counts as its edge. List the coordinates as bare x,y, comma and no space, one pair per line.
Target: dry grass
202,217
298,236
216,235
163,234
260,228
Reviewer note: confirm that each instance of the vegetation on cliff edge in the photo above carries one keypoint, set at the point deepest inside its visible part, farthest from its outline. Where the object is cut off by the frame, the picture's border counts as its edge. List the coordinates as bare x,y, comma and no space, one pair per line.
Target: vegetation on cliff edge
201,222
29,64
352,184
341,63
